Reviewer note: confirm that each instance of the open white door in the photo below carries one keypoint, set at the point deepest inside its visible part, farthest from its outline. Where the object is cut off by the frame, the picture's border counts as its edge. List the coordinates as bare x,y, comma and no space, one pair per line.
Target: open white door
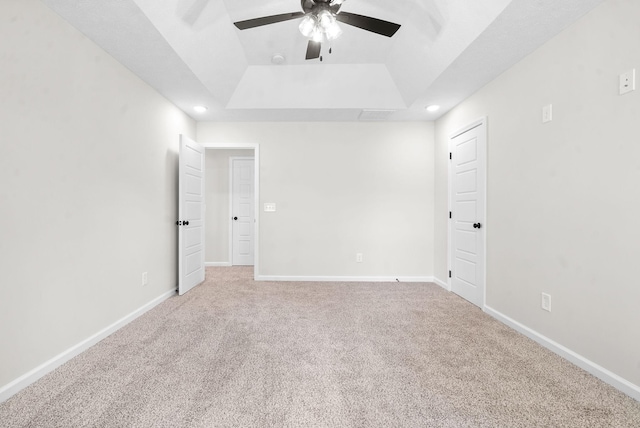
467,204
190,215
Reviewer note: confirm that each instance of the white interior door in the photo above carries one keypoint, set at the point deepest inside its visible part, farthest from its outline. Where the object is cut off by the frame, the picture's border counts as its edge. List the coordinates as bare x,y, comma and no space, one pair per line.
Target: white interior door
467,205
242,211
190,215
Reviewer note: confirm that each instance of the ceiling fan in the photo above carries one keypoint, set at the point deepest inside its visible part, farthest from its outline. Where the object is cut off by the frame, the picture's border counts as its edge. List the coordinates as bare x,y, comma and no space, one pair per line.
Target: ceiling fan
319,23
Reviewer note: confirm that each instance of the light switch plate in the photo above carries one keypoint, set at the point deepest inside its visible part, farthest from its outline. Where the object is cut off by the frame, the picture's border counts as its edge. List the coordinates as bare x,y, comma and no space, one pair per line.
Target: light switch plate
270,207
546,302
628,81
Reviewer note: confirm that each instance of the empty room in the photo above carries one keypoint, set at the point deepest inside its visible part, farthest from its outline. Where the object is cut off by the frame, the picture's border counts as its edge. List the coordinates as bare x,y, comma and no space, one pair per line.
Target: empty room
319,213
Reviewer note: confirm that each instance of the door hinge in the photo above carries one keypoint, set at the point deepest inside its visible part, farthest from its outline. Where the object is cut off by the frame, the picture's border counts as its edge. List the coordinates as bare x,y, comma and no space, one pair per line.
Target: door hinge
449,274
449,214
450,155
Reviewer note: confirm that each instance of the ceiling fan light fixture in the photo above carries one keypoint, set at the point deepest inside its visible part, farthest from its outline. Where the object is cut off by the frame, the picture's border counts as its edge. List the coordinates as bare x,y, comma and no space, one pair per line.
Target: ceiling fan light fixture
326,19
317,35
333,32
308,25
337,2
320,25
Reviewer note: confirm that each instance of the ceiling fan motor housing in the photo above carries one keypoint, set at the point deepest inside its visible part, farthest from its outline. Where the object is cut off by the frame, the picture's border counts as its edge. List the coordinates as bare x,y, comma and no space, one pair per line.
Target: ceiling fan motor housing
315,6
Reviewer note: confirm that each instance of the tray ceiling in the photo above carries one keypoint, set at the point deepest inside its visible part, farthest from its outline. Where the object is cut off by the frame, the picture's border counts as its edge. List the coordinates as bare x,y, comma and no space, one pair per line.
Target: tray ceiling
445,50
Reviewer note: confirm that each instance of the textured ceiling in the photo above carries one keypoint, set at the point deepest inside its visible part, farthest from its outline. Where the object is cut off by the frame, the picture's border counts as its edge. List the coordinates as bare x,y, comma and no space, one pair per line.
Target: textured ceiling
190,51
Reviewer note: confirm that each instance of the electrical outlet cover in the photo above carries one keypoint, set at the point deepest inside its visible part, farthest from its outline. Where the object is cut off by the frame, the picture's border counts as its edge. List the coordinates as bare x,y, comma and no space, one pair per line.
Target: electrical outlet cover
628,81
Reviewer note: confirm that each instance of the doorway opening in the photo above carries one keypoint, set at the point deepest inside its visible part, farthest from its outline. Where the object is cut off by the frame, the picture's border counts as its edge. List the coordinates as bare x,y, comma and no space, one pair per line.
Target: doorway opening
232,195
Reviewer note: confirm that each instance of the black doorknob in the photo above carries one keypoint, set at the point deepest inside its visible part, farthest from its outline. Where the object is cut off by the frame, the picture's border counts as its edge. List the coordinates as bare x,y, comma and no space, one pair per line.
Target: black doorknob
477,225
178,223
186,222
235,218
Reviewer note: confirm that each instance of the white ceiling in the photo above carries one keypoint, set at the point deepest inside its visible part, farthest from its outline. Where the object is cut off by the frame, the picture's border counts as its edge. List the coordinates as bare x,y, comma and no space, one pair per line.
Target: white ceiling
445,50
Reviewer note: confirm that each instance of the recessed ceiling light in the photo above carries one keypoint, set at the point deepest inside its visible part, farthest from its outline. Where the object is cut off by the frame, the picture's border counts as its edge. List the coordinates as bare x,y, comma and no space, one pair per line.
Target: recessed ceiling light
200,109
433,108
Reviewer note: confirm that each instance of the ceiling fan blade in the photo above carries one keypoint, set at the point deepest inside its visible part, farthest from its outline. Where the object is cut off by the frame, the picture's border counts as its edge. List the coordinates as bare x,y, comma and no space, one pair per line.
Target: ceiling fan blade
266,20
368,23
313,50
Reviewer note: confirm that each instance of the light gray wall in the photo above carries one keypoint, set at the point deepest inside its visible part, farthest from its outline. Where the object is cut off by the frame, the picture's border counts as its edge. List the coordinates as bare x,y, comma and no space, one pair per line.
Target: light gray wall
88,185
340,189
563,199
217,199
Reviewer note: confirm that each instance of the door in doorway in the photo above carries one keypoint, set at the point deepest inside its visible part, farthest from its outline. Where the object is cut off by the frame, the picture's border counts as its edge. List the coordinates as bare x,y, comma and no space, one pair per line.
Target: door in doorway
190,215
242,211
467,204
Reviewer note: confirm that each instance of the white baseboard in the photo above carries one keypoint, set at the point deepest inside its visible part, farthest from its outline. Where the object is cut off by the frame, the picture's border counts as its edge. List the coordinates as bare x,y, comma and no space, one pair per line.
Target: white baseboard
600,372
442,284
219,264
28,378
344,278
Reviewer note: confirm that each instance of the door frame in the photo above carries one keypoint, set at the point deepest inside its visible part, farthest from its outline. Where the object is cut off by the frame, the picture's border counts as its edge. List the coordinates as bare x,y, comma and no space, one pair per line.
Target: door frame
482,157
256,188
255,206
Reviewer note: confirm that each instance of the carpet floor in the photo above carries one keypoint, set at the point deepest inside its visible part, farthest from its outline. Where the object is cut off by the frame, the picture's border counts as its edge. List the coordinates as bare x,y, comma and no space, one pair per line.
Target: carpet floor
237,353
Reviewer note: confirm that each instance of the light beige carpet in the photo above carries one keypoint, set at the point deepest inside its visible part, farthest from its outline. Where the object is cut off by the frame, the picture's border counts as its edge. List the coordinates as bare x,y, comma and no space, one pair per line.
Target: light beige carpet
236,353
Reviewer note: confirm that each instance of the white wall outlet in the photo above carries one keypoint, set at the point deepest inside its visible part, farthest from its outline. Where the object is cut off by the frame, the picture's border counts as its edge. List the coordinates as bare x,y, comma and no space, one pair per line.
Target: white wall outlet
270,207
546,302
145,278
358,257
628,81
547,113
